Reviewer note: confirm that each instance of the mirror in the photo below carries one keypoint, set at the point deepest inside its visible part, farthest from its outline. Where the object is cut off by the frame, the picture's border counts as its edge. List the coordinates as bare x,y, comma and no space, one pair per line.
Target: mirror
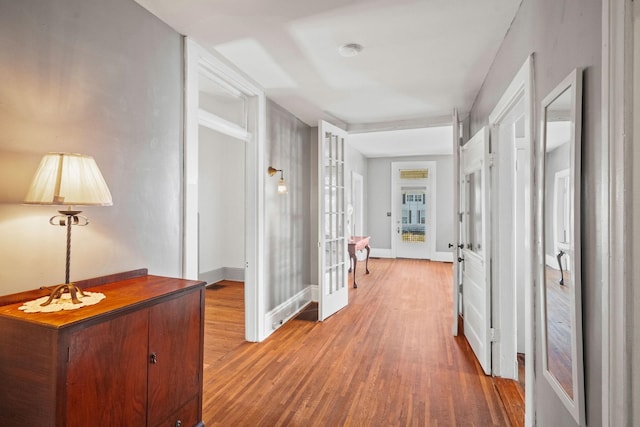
560,291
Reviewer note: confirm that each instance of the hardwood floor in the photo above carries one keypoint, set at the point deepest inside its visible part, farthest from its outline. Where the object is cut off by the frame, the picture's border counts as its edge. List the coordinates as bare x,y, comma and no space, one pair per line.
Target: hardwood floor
387,359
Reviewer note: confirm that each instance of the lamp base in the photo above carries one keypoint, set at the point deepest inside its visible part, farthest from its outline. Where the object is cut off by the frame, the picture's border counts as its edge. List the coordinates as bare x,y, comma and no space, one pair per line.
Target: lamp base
60,289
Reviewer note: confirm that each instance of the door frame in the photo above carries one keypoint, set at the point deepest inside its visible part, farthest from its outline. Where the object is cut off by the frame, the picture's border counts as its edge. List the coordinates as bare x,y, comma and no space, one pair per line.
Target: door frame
457,214
431,166
197,59
620,333
520,88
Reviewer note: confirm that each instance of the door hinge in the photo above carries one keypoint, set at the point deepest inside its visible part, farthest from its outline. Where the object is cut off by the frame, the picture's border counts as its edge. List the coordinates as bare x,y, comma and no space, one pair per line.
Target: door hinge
460,217
494,335
460,288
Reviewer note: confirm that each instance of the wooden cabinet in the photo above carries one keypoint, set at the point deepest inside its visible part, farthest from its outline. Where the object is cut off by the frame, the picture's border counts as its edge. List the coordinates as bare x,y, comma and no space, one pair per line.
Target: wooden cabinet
134,359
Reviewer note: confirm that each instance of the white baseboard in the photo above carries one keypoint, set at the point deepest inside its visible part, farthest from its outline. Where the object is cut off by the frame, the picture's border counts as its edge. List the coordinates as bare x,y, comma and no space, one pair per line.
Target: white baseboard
380,253
442,257
212,276
386,253
289,309
235,274
222,273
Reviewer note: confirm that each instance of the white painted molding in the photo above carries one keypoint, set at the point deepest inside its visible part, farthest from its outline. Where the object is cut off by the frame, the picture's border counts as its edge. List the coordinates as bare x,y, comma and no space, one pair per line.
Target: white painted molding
616,194
222,273
442,256
399,124
380,253
289,309
234,274
212,276
521,87
217,123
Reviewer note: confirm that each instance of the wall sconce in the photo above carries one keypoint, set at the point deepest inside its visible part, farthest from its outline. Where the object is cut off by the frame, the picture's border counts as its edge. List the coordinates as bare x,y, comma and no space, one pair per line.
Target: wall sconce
282,187
68,179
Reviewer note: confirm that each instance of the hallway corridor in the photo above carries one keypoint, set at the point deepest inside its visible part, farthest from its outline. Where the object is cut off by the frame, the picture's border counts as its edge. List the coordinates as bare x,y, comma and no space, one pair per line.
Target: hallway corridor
387,359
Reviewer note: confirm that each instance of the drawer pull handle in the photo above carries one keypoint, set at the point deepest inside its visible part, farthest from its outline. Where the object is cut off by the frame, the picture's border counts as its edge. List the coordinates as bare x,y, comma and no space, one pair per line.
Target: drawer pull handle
178,424
153,359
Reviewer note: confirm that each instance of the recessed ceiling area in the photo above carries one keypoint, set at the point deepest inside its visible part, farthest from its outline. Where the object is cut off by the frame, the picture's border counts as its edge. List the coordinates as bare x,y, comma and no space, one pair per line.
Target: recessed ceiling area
419,58
405,142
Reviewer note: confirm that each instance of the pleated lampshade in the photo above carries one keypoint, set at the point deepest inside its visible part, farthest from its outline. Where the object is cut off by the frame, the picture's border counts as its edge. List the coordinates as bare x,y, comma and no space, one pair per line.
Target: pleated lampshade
68,179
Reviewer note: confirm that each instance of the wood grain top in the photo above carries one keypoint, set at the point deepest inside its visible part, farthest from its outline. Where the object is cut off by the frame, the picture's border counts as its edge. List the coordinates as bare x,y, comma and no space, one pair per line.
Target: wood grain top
119,295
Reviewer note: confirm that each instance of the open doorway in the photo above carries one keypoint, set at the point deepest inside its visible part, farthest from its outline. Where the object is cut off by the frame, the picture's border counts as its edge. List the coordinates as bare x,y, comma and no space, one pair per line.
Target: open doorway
512,230
221,230
224,140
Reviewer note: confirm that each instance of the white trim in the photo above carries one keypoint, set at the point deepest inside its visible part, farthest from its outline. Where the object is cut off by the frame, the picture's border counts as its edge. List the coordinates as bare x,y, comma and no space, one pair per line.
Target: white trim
380,253
616,193
442,257
197,61
575,403
521,87
288,309
455,244
219,124
223,273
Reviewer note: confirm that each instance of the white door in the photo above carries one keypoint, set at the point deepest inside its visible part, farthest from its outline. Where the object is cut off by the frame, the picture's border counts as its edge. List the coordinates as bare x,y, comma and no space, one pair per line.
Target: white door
334,293
476,288
413,209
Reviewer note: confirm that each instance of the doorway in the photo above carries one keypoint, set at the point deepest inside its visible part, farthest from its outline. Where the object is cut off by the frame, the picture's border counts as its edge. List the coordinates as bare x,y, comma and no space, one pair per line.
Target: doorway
413,209
221,232
512,230
220,100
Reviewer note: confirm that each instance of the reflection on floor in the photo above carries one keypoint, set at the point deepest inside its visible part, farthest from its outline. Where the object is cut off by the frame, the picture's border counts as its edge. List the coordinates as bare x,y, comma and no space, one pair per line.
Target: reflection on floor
559,339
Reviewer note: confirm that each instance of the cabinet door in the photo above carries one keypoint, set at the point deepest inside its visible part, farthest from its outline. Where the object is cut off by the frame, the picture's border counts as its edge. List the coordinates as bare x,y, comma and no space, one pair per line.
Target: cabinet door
175,347
107,373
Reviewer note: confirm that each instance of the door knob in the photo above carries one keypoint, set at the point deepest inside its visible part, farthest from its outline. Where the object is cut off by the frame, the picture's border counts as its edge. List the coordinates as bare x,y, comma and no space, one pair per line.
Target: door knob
461,245
450,245
460,259
153,359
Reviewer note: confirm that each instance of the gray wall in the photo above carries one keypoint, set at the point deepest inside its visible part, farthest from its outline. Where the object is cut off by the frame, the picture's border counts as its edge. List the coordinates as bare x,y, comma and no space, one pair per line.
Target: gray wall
102,78
379,200
564,34
287,219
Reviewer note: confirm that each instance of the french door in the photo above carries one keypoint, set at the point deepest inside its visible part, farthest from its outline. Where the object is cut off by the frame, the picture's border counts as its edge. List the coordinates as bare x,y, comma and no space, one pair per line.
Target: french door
333,289
476,256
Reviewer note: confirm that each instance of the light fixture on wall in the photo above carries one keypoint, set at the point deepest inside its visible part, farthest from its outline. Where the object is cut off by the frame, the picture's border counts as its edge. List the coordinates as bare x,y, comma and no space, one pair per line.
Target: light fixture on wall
282,187
68,179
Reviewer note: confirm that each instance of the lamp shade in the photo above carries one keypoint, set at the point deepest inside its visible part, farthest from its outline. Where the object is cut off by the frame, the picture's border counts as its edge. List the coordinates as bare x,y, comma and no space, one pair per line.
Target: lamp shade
68,179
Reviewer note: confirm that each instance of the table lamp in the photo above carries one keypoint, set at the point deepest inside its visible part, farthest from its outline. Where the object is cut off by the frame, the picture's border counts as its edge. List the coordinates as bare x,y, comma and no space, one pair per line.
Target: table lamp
68,179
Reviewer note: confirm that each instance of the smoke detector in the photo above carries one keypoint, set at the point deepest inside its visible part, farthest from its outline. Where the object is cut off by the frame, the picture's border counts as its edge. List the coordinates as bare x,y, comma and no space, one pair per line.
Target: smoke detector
350,49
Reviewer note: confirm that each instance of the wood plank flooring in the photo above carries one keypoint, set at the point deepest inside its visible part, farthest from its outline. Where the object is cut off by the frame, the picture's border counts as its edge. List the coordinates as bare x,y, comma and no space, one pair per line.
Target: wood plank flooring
388,359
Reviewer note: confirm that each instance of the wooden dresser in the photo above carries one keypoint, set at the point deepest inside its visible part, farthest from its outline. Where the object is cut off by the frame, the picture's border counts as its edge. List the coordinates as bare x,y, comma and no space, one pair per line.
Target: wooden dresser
133,359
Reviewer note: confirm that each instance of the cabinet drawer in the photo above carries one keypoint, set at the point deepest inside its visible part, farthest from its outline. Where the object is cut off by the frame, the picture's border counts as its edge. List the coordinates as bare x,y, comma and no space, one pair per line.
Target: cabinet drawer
187,416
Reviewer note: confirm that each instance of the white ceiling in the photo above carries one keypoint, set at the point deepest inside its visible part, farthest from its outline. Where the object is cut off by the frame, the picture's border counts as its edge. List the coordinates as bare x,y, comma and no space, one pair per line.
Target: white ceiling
421,58
405,142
